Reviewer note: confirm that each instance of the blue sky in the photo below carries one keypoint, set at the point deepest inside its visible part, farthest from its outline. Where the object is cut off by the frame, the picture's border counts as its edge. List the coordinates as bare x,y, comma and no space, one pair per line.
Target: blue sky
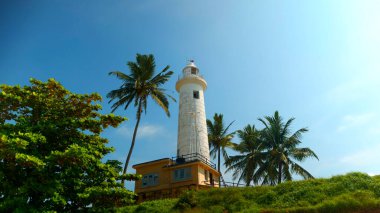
317,61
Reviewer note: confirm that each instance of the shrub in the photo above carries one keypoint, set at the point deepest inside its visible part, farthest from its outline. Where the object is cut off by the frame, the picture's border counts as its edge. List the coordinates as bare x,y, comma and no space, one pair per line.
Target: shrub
164,205
187,200
354,192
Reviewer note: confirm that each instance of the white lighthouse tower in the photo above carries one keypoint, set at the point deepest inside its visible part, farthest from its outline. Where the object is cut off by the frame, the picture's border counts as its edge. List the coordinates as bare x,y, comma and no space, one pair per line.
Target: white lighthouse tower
191,169
192,128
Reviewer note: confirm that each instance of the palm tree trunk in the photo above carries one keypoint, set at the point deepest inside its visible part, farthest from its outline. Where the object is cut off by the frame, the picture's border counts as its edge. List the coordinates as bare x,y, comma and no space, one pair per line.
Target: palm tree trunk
133,142
279,172
247,184
219,165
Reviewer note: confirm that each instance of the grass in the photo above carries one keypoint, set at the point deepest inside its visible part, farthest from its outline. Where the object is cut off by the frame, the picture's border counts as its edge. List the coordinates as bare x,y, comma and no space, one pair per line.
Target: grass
353,192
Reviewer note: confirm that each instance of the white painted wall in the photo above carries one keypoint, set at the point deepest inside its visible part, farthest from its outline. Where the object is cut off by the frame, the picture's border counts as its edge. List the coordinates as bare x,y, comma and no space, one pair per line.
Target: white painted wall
192,128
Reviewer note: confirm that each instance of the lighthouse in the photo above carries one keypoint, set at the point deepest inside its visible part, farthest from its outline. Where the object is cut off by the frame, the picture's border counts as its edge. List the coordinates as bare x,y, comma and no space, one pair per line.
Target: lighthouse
192,129
191,168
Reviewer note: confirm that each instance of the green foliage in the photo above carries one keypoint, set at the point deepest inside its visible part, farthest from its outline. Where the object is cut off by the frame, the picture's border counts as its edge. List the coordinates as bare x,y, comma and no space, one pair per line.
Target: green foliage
187,200
159,206
354,192
250,158
51,151
282,151
218,138
269,156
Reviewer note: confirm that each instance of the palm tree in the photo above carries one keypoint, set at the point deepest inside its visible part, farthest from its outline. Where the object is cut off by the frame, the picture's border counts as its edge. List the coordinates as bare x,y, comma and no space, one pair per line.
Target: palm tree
218,138
282,151
136,87
251,156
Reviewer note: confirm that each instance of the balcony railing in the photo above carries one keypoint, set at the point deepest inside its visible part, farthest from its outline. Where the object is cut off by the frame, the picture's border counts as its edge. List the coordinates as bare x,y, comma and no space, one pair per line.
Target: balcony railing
225,184
191,158
189,76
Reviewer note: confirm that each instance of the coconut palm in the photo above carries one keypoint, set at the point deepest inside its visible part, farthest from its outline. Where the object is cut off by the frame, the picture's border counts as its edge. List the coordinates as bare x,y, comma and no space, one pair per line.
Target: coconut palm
218,138
136,87
251,156
282,151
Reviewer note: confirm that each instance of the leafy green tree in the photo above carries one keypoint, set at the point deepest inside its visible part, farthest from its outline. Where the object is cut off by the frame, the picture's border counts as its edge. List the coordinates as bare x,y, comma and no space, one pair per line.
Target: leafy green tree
251,156
137,87
282,150
218,138
51,151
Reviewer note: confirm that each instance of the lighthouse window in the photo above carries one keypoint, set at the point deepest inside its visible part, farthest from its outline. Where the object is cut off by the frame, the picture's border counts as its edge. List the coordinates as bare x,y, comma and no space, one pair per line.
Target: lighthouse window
182,174
196,94
206,175
193,71
150,180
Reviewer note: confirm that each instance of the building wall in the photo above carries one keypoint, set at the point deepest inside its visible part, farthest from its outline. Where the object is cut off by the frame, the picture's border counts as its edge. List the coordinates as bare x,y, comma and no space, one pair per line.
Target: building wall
154,168
169,187
192,128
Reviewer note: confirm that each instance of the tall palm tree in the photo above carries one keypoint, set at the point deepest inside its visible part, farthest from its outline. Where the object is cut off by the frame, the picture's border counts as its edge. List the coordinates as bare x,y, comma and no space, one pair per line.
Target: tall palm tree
218,138
282,151
136,87
251,156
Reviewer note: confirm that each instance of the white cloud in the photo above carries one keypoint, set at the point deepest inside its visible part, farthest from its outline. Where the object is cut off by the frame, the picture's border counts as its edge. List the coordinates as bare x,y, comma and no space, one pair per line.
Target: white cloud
144,131
362,87
363,158
355,121
123,131
150,131
375,130
348,91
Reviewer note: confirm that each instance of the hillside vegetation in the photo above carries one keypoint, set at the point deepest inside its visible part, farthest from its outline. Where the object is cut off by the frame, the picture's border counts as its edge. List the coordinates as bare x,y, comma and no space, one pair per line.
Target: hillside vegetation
353,192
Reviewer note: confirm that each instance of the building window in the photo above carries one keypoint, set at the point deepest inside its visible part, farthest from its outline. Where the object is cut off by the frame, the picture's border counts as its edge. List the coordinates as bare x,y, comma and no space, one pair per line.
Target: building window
206,175
196,94
182,174
193,71
150,180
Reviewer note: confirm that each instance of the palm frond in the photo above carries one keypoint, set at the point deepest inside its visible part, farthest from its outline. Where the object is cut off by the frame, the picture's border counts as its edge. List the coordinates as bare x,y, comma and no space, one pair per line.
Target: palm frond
301,171
161,100
302,153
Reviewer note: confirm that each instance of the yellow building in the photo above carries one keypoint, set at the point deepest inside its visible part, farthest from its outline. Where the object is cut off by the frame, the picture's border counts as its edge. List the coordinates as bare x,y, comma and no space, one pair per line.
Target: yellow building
167,178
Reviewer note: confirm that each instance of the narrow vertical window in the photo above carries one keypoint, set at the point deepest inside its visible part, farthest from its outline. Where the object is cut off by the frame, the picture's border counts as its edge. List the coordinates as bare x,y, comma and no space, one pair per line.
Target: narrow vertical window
181,173
193,71
176,174
187,172
196,94
145,181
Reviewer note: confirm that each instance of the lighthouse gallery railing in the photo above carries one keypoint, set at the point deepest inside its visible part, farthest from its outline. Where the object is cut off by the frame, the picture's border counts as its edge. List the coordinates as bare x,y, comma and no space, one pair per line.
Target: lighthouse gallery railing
191,158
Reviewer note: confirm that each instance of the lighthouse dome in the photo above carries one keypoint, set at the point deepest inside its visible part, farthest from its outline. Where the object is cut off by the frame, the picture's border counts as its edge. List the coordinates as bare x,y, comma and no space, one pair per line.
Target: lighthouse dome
190,75
190,69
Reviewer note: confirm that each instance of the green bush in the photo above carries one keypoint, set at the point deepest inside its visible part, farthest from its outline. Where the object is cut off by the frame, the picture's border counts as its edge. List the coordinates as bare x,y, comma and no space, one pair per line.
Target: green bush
353,192
155,206
187,200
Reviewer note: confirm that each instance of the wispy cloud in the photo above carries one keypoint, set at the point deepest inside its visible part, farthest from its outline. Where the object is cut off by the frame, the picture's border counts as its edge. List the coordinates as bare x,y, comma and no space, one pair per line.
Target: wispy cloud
375,130
361,88
364,157
150,130
144,131
348,91
123,131
354,121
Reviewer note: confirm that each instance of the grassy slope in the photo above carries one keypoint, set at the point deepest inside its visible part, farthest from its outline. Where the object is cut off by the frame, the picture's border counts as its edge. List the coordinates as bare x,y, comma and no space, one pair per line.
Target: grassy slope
354,192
